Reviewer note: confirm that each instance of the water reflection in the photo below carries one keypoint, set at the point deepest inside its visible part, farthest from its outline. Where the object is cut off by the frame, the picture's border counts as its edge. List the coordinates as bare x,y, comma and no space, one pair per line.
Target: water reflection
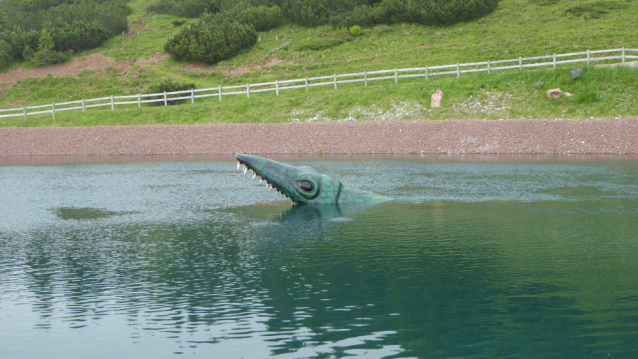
550,274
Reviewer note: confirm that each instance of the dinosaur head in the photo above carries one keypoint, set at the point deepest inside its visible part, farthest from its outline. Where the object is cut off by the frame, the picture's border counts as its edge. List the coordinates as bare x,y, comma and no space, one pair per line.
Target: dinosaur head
302,184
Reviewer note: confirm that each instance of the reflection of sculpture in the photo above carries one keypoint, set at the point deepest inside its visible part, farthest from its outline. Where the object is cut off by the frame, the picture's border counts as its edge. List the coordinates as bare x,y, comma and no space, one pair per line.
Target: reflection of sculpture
304,185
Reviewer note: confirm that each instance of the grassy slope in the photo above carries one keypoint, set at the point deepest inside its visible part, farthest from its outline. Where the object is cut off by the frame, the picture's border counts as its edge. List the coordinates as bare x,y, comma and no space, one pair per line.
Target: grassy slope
516,28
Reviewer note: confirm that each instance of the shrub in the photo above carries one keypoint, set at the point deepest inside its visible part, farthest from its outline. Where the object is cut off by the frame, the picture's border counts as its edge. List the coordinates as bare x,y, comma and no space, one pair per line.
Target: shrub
433,12
211,42
169,85
6,53
263,18
355,30
366,16
307,12
45,54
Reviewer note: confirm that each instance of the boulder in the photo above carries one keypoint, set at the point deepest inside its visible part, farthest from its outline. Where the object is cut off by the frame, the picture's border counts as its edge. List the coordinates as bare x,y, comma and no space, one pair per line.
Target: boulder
555,93
435,101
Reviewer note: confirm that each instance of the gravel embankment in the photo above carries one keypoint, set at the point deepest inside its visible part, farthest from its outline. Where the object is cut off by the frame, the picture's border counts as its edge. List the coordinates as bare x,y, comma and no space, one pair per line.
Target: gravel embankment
595,136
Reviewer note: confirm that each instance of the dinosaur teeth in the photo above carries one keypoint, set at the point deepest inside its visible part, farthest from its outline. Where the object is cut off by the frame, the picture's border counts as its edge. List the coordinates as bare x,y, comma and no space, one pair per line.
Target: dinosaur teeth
238,165
245,169
261,179
254,175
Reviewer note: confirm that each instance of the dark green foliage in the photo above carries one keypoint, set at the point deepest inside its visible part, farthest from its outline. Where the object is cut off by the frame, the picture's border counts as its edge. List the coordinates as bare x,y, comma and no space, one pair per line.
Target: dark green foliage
366,16
46,54
169,85
432,12
73,25
78,35
6,53
211,42
268,14
262,18
307,12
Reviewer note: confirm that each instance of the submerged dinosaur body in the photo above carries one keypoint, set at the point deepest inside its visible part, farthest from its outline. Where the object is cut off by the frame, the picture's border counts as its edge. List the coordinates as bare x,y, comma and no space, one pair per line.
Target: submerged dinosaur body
303,184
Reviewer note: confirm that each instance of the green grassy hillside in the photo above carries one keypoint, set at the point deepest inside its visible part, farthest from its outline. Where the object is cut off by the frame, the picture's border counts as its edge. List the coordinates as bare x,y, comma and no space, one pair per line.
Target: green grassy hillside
516,28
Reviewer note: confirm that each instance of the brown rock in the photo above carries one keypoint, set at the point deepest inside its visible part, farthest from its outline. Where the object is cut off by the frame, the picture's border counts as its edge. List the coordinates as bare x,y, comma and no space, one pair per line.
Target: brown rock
555,93
436,99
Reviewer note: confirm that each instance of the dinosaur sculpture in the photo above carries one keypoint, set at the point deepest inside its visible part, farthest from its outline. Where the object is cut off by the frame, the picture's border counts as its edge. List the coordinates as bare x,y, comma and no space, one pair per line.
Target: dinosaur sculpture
303,185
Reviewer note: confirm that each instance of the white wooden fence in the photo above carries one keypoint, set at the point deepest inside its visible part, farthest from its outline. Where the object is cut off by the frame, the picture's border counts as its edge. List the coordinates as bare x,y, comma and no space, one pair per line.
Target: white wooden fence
335,80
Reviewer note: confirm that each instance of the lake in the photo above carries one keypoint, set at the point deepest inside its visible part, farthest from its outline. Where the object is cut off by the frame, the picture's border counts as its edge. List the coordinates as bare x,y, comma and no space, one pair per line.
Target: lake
477,257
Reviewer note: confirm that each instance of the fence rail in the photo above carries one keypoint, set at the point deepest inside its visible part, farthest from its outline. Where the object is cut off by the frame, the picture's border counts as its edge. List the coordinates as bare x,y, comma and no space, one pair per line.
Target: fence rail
335,80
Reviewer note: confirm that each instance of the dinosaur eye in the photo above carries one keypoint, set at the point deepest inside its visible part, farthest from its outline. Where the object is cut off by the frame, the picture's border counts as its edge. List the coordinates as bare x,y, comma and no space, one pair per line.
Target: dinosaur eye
306,186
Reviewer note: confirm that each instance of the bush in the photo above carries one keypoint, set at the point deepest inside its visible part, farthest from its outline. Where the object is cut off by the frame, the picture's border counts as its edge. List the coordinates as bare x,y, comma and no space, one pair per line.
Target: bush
211,42
6,53
45,54
366,16
355,30
169,86
307,12
432,12
263,18
73,25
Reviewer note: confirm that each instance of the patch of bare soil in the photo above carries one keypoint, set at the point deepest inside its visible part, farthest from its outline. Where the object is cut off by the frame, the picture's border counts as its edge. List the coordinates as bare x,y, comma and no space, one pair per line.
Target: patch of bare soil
96,62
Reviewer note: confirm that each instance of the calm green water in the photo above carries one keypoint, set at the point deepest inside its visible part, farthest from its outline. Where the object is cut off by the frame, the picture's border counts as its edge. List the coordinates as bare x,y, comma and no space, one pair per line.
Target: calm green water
476,259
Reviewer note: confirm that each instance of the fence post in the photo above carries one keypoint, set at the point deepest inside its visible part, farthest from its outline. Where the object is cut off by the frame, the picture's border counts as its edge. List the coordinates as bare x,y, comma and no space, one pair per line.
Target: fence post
489,67
139,100
554,59
24,111
219,89
247,90
365,79
588,57
192,96
165,99
53,110
277,87
306,84
112,103
427,75
83,106
335,77
458,72
396,77
520,64
623,55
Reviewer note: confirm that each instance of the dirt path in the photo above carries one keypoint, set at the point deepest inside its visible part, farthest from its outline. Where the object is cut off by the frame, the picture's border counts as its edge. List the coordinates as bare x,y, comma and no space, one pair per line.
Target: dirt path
592,136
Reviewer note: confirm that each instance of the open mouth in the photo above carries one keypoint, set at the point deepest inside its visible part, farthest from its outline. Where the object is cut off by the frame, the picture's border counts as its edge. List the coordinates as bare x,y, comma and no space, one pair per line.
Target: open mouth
242,166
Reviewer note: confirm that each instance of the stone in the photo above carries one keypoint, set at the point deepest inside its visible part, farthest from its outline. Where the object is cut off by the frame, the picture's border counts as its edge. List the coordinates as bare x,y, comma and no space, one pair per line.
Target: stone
555,93
435,101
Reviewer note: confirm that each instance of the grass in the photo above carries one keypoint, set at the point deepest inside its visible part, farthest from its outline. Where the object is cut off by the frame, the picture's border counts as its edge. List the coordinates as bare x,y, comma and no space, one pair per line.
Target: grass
517,28
598,92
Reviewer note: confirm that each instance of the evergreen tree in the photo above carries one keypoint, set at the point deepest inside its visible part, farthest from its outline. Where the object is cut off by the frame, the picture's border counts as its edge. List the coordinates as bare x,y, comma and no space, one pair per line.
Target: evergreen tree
45,54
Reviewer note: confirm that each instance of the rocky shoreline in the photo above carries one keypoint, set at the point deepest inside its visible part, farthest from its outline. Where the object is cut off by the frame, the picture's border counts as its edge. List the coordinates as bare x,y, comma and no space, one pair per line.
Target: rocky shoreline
589,136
